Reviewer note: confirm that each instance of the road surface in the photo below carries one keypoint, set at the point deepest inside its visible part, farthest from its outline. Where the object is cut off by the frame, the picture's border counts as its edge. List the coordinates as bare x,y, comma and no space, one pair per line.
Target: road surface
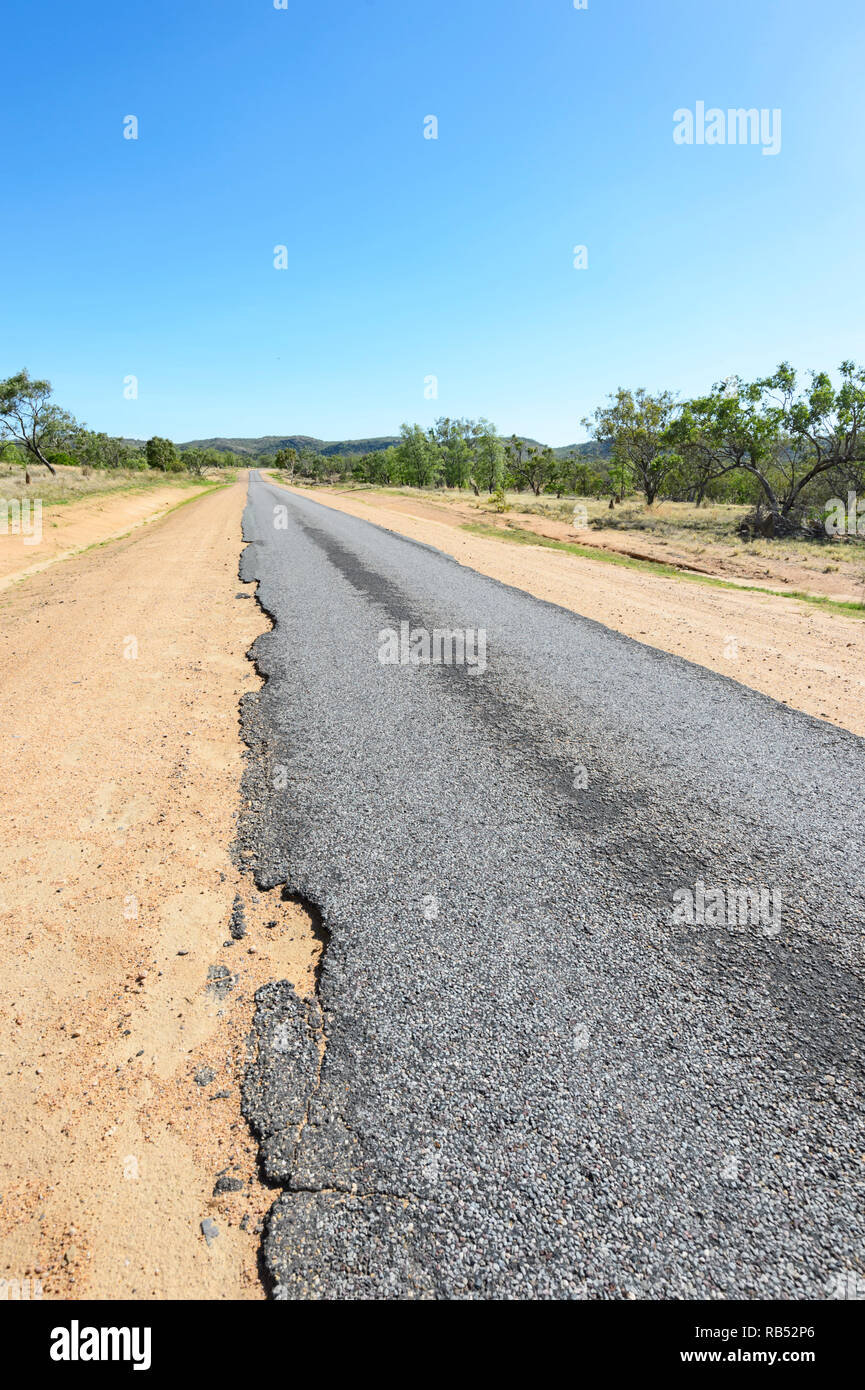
528,1073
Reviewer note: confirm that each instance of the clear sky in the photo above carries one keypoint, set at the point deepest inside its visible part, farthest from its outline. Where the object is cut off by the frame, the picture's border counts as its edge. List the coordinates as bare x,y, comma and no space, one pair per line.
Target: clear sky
408,257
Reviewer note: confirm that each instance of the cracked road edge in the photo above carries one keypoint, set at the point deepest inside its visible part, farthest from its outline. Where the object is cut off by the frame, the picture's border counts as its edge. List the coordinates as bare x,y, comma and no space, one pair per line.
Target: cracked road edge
323,1238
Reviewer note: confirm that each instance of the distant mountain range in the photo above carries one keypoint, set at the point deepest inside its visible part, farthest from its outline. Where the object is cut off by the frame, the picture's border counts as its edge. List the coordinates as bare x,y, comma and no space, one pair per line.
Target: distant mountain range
269,444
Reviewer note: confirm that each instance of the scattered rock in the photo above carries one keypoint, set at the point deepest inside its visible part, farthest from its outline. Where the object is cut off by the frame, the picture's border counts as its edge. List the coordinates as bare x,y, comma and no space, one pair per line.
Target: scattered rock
225,1184
220,981
209,1230
237,924
204,1076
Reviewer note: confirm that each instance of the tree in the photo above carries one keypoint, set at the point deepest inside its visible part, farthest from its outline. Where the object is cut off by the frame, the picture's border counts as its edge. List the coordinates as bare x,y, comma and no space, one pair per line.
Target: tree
194,461
531,465
287,460
826,428
784,436
575,476
95,450
418,457
487,449
28,416
638,425
452,438
162,455
513,453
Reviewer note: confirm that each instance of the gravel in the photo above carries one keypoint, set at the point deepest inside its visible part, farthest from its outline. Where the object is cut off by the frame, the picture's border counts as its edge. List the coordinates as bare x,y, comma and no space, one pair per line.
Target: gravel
538,1082
237,924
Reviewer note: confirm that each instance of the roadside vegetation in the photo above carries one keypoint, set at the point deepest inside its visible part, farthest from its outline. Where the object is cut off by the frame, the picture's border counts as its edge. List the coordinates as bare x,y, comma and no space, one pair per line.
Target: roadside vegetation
776,457
40,439
775,462
74,484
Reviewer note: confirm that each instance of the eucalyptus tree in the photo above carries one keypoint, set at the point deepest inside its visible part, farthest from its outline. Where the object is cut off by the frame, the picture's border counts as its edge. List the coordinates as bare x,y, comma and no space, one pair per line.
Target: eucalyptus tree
487,454
286,460
418,457
453,440
639,424
29,418
162,455
784,435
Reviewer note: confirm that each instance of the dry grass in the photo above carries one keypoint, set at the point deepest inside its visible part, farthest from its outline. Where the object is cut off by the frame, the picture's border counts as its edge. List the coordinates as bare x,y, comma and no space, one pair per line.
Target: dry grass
692,530
74,485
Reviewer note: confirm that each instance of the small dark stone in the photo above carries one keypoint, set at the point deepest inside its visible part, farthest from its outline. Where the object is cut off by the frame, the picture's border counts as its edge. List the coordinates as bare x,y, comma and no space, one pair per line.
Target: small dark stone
237,925
225,1184
204,1076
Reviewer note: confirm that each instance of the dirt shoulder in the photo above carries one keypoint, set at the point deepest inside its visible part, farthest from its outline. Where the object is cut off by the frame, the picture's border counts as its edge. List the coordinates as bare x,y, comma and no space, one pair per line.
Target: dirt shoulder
32,541
804,656
688,538
125,1002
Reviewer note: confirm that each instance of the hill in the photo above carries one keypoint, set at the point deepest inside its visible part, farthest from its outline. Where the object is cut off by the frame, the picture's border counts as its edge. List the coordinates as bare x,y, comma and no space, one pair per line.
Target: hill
271,444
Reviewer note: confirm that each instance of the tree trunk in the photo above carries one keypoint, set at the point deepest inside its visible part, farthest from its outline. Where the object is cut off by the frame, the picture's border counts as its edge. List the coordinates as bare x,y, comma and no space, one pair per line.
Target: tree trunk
42,459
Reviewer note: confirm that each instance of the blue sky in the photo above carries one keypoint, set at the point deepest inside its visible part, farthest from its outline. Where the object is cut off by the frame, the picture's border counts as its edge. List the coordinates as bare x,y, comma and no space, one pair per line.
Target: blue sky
411,258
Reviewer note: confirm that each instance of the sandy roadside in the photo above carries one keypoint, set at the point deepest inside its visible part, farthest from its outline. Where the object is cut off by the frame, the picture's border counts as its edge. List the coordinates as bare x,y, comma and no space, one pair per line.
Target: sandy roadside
798,654
63,531
122,672
730,560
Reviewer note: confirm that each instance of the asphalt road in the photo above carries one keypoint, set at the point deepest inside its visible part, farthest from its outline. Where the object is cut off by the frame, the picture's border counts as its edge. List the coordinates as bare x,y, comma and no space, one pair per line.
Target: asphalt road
538,1080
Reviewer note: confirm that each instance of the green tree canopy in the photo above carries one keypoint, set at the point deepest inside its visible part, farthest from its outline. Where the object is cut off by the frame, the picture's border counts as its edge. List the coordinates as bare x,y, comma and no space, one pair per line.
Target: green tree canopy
29,417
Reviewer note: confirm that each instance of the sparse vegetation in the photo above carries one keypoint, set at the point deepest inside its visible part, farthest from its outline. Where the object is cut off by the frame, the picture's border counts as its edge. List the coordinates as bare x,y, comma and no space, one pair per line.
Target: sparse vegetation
760,459
765,456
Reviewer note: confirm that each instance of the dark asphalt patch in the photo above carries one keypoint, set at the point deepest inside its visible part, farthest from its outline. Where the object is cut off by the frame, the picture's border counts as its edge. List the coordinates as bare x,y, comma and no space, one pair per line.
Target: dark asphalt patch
536,1084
